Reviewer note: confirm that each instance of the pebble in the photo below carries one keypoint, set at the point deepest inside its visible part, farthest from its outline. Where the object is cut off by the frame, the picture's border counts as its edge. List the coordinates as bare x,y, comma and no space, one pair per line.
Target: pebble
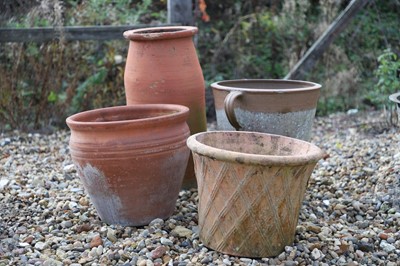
385,246
69,168
66,224
182,231
3,183
96,241
316,254
227,262
349,214
158,252
111,235
166,241
41,245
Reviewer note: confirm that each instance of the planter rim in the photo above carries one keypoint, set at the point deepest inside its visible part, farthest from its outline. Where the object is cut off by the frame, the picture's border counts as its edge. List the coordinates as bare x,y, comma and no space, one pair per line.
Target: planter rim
160,33
177,113
312,156
293,85
395,97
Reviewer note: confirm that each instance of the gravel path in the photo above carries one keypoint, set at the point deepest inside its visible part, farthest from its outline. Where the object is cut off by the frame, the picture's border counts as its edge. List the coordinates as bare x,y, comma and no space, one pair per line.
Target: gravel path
350,214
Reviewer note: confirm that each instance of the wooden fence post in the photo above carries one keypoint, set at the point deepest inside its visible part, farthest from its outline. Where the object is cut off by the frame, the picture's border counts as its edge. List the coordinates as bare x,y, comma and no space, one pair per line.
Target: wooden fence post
180,12
317,49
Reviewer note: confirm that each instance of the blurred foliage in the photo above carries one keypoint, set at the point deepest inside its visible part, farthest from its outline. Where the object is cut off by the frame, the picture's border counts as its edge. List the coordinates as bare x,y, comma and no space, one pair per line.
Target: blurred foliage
388,78
41,84
265,39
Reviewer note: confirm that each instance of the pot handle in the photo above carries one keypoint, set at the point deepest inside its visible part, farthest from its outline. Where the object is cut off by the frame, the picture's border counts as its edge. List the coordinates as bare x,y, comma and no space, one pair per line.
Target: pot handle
229,110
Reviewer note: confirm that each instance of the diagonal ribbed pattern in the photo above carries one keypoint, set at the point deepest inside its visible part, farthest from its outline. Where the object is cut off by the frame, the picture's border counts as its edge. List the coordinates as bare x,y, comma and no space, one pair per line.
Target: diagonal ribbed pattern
249,210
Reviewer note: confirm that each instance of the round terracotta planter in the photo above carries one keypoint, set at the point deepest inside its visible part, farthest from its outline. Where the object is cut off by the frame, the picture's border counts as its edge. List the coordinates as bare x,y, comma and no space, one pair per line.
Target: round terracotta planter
282,107
251,187
131,159
162,67
396,99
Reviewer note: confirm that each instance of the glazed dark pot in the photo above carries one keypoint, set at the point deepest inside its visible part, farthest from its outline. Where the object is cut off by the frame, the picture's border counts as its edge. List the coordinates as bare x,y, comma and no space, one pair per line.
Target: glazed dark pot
282,107
131,159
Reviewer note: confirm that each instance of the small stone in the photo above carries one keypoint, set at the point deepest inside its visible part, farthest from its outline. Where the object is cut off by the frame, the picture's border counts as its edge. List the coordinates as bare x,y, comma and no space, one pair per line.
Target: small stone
369,170
182,231
362,224
365,247
66,224
206,260
166,259
142,263
141,244
83,228
145,233
339,207
72,205
3,183
40,245
28,239
83,201
282,256
383,236
52,262
246,260
356,205
290,263
99,250
158,252
166,241
157,222
333,254
385,246
23,244
316,254
227,262
77,244
69,168
111,235
313,228
96,241
359,253
391,240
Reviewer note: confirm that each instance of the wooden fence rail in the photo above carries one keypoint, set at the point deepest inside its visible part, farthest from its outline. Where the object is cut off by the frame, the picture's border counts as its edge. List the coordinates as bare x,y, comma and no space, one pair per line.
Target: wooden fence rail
80,33
179,13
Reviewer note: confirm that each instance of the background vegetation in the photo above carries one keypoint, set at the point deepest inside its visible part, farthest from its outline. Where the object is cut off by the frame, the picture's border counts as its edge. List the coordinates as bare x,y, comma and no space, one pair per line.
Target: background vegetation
41,84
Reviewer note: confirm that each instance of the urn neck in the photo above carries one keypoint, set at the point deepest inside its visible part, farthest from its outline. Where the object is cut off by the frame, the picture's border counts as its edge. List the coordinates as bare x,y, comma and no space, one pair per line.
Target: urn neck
160,33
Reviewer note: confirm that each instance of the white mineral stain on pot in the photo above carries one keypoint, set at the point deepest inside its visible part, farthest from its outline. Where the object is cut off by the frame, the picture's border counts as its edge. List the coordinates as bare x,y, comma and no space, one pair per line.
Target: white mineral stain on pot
106,202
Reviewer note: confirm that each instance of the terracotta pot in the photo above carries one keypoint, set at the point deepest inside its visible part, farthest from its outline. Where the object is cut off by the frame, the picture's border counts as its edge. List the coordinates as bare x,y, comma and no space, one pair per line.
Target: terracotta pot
282,107
131,159
396,99
162,67
251,187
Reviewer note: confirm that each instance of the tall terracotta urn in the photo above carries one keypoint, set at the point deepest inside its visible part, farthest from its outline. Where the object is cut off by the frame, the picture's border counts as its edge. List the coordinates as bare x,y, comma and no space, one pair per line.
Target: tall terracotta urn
162,67
131,159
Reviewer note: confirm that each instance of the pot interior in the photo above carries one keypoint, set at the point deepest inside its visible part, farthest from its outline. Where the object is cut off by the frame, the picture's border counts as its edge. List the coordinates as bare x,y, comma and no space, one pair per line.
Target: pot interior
161,30
266,84
256,143
110,115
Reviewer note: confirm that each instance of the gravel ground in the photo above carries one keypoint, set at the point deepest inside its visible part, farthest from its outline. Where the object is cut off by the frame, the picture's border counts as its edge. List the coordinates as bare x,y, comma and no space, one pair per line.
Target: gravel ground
350,214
